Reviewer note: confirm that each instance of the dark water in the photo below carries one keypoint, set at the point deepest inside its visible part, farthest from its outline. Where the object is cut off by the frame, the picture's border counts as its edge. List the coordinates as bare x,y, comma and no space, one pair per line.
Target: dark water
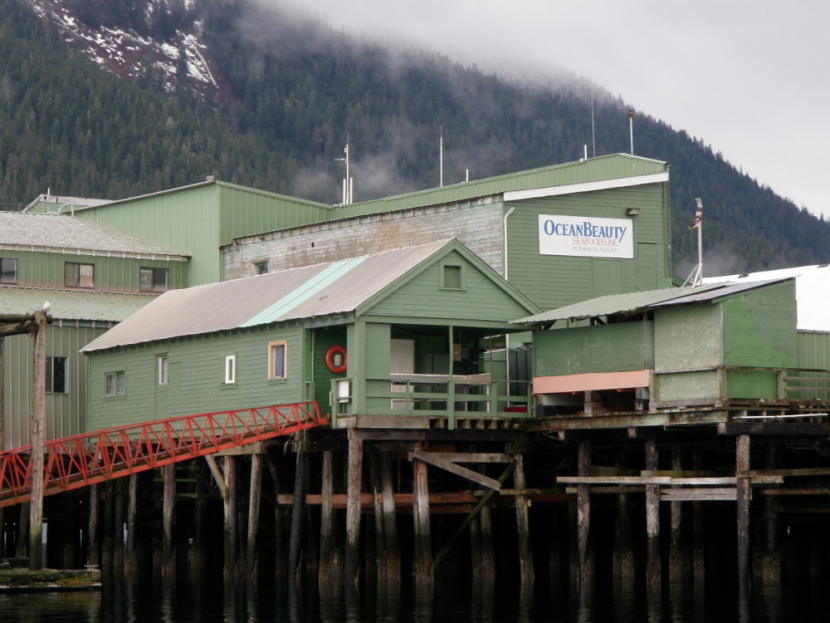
194,602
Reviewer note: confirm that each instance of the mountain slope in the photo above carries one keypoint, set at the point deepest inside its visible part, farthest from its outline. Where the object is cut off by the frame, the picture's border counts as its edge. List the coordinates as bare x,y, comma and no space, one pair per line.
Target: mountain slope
282,94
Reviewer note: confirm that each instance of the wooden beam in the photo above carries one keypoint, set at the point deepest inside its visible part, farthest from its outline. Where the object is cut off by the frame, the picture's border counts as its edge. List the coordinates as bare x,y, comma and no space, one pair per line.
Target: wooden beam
743,497
802,491
475,457
776,429
434,458
709,494
38,435
255,493
354,480
653,566
784,473
168,520
758,479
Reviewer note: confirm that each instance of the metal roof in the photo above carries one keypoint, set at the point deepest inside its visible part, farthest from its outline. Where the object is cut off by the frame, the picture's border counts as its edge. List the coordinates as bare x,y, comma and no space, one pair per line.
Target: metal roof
53,232
630,302
72,305
812,291
306,292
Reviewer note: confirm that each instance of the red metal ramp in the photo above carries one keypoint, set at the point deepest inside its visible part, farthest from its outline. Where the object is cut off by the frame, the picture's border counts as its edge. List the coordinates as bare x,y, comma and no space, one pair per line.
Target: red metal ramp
82,460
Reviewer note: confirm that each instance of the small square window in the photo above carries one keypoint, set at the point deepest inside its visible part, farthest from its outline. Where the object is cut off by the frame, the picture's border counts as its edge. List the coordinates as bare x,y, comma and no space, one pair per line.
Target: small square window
8,270
276,360
451,277
77,275
115,383
260,268
56,375
230,369
152,279
162,369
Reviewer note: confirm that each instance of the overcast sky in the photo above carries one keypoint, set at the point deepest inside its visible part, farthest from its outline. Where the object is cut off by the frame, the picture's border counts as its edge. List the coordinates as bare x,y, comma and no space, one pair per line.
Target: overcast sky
750,78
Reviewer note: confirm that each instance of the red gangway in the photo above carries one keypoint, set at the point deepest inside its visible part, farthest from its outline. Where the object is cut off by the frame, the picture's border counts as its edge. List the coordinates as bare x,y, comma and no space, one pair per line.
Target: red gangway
81,460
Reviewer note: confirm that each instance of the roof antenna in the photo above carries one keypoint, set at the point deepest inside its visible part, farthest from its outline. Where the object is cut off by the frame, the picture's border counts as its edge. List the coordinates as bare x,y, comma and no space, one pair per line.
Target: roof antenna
631,129
696,276
347,194
441,156
593,130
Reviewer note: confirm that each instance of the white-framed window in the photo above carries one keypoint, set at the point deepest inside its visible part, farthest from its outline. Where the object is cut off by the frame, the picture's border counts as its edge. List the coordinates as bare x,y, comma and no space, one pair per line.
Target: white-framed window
230,369
277,358
115,383
162,369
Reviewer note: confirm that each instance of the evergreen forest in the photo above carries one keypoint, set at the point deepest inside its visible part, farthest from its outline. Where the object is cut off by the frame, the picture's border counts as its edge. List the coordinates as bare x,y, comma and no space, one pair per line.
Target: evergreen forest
292,90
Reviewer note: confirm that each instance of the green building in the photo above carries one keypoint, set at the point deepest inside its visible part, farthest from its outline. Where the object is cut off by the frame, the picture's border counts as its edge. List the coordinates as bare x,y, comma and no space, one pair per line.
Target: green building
717,348
92,276
400,334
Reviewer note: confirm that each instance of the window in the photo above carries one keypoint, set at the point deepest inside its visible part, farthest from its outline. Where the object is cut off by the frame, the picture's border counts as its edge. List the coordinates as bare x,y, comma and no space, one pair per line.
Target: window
260,268
8,270
451,277
162,369
77,275
116,383
56,375
152,279
230,369
276,360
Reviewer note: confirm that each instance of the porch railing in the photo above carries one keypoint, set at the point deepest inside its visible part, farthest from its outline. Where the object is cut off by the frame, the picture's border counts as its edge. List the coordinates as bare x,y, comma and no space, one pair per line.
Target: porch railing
434,395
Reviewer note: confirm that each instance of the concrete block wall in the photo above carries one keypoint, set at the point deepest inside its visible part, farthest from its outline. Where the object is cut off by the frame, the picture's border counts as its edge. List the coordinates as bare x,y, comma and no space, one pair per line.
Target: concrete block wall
478,224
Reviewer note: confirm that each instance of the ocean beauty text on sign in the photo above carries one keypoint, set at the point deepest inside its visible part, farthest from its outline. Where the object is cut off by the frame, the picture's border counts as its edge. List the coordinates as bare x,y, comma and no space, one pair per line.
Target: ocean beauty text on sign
586,236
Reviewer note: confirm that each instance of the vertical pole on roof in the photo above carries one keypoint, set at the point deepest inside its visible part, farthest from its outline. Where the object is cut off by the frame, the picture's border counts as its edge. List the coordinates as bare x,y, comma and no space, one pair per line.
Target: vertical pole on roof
631,129
441,156
593,131
743,497
699,280
354,480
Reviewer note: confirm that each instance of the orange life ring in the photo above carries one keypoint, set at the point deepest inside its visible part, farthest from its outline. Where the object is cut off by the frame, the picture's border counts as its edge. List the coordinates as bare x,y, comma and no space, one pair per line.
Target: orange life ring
334,354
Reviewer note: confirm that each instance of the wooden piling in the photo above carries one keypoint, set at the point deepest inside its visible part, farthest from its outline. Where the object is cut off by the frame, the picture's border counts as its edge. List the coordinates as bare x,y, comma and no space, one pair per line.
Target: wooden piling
698,542
199,552
488,558
38,433
280,550
326,519
168,551
771,567
653,564
423,538
93,552
295,541
255,493
118,505
131,553
108,494
523,526
390,525
623,548
353,510
676,544
742,464
583,518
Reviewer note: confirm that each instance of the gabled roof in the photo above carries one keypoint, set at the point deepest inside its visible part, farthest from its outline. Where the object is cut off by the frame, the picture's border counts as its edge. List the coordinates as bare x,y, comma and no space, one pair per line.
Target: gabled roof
53,232
812,291
340,287
635,302
71,304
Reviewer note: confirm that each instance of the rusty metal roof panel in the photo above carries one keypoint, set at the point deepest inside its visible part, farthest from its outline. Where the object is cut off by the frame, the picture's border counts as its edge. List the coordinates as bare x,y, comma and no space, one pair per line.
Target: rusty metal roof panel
72,305
307,292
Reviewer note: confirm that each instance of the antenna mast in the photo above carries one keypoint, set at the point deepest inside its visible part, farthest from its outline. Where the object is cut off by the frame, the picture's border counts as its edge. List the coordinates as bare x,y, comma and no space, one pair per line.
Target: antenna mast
696,276
593,131
348,181
441,156
631,129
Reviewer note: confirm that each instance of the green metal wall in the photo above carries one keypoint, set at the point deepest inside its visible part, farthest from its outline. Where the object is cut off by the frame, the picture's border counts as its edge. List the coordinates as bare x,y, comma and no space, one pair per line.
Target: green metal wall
759,327
65,413
554,280
422,297
46,270
186,221
813,350
605,167
606,348
245,211
688,337
196,383
323,339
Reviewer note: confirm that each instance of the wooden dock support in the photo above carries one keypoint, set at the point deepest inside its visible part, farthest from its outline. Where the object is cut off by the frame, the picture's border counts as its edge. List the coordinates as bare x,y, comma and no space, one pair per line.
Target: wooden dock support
698,540
255,494
771,565
227,486
390,525
324,569
676,526
118,523
280,552
38,436
523,526
583,519
423,536
168,552
93,539
295,540
742,464
131,547
623,547
353,509
653,564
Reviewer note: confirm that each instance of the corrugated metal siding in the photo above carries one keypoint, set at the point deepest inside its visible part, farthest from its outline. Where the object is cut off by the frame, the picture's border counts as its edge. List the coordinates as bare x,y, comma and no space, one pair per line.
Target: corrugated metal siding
46,270
813,350
65,413
196,385
423,297
605,348
245,211
186,221
554,280
605,167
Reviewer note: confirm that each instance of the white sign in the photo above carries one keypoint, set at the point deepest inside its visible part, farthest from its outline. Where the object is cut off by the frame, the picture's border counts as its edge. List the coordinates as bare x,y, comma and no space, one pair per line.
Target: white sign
586,236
